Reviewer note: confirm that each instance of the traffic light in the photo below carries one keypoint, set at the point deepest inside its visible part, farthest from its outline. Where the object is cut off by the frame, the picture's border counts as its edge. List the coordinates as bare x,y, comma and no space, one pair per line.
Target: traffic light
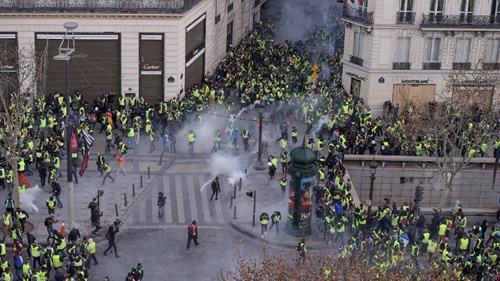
419,192
250,193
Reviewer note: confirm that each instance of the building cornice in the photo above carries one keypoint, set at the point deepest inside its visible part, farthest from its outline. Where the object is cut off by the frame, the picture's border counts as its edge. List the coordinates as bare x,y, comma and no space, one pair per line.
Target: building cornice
87,16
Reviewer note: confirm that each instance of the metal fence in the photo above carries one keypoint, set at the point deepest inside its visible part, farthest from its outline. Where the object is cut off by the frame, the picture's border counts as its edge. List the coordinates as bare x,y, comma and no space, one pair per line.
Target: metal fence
97,6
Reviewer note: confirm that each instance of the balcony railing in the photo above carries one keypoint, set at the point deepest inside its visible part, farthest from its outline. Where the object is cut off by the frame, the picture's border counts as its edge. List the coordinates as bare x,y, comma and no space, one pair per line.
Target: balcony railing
356,60
401,65
461,65
491,66
467,21
97,6
359,16
405,18
431,66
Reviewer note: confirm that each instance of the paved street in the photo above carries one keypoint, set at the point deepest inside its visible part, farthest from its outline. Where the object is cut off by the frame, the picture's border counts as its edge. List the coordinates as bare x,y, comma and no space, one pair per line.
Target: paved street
163,254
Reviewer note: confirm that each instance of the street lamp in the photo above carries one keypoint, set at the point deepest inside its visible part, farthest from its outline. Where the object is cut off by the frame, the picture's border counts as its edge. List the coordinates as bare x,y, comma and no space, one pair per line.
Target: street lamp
259,165
100,193
254,195
373,171
66,48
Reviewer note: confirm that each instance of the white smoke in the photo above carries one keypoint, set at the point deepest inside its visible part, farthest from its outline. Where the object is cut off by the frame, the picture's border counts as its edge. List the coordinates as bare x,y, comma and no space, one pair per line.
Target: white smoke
28,198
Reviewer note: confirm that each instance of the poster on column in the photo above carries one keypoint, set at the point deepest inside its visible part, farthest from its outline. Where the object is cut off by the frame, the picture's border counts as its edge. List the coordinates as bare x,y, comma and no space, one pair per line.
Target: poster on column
305,205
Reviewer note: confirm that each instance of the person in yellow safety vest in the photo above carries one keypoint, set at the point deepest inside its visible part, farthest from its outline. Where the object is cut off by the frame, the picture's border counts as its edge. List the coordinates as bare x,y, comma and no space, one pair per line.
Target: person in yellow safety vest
57,260
91,250
7,224
415,251
130,137
275,221
264,220
121,103
319,144
217,140
107,170
294,134
56,161
7,276
283,161
431,249
425,241
441,232
191,139
245,136
283,183
2,177
152,139
464,244
35,249
77,261
283,144
301,248
26,268
51,205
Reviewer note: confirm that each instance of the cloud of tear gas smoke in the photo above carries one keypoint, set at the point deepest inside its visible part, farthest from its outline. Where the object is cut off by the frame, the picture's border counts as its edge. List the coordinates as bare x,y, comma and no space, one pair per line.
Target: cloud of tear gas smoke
28,198
299,18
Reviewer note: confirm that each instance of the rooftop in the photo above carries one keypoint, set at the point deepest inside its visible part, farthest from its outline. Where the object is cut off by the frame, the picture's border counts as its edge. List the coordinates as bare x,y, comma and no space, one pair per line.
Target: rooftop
97,6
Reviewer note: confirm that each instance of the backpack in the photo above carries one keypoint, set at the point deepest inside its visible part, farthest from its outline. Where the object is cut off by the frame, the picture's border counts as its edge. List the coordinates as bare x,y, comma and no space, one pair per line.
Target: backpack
9,203
46,222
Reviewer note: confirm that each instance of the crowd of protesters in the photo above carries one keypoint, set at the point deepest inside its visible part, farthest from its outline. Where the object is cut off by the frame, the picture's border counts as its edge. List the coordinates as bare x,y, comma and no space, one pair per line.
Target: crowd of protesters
300,83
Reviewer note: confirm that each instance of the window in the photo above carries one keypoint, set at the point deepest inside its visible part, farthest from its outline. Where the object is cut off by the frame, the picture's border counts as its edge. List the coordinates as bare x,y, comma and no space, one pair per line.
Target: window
402,55
432,52
402,49
492,53
229,36
466,11
436,11
357,49
495,8
230,5
363,7
406,6
462,50
405,14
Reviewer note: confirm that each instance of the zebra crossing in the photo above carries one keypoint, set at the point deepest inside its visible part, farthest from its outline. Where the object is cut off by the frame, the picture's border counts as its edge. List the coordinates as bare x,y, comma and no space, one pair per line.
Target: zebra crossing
184,202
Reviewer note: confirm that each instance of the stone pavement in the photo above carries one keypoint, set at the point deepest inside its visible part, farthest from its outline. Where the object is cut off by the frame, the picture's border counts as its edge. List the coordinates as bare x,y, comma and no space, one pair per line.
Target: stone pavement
91,182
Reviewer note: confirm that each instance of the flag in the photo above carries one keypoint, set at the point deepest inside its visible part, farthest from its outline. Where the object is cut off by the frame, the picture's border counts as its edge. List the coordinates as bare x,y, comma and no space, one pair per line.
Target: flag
84,163
88,138
497,158
73,141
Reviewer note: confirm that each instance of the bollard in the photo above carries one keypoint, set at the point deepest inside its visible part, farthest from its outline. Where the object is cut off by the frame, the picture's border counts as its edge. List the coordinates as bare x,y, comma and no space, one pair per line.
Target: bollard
149,173
231,203
240,183
161,158
234,192
133,190
116,209
234,215
141,181
125,199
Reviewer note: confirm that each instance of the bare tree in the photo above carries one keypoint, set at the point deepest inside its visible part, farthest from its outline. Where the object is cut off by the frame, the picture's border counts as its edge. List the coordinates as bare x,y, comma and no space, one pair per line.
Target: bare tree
22,87
457,126
349,265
